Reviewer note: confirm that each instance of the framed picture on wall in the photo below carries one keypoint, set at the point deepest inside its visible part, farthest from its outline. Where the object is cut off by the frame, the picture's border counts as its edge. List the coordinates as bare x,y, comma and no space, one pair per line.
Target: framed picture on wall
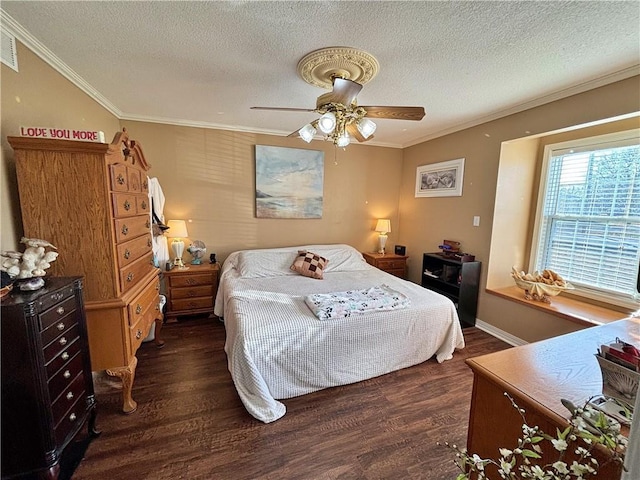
289,182
443,179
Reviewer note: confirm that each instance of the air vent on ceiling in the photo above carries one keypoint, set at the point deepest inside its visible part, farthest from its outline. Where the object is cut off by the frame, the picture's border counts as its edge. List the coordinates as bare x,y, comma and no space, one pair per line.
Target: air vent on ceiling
9,53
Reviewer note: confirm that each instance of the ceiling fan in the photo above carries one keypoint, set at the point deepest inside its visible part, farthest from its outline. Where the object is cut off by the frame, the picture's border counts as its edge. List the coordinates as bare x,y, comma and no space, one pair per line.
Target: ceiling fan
345,70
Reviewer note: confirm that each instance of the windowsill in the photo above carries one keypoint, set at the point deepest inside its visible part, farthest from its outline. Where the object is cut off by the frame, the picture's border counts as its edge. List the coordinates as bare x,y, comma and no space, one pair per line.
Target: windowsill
564,307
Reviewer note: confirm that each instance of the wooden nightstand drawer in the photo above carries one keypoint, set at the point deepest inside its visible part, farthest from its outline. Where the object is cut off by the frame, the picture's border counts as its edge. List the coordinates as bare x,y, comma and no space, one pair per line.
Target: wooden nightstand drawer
388,262
191,291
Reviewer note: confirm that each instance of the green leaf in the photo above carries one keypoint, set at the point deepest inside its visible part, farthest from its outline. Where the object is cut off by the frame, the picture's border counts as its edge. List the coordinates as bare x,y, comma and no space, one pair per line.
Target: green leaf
530,453
462,476
536,439
563,435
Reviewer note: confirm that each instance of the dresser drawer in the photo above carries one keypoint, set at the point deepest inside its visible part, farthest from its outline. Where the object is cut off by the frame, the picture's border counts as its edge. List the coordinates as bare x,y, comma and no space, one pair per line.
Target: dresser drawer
71,420
191,280
134,178
148,300
191,292
57,312
398,273
124,204
139,330
65,376
119,182
67,398
58,362
59,327
134,272
132,227
60,343
133,249
192,304
143,204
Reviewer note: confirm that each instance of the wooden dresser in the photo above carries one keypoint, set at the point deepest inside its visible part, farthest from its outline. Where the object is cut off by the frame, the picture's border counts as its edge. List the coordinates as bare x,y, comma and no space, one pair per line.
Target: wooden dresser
91,201
538,376
191,291
47,388
389,262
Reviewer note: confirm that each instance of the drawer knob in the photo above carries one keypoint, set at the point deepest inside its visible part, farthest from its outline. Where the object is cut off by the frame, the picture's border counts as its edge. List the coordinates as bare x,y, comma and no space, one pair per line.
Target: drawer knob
57,296
72,417
147,224
120,179
157,286
127,253
65,355
127,205
63,341
60,326
138,334
138,309
69,395
130,277
125,229
191,281
60,310
145,184
149,242
66,374
144,205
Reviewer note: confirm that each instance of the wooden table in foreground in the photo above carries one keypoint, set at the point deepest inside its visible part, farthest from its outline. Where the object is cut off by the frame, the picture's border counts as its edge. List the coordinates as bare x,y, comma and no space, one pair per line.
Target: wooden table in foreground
538,376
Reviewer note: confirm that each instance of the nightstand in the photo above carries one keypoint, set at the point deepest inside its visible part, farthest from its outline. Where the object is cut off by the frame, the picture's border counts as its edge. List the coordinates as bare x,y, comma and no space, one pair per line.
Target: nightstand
388,262
192,290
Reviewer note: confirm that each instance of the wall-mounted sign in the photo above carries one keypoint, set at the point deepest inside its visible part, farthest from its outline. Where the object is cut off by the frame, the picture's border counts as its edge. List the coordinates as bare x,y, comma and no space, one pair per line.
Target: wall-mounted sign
63,134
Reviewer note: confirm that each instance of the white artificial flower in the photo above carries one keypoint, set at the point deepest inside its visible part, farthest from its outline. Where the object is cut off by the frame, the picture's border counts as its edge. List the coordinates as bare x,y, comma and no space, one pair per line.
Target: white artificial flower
505,452
559,444
560,467
505,467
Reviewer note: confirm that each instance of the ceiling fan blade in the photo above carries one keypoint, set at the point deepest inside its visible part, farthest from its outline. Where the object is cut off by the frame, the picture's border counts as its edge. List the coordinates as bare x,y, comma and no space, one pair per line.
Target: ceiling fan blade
353,132
397,113
344,92
285,109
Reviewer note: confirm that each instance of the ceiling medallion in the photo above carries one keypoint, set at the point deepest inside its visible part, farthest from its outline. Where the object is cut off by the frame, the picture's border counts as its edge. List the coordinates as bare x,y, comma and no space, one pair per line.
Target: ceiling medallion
321,66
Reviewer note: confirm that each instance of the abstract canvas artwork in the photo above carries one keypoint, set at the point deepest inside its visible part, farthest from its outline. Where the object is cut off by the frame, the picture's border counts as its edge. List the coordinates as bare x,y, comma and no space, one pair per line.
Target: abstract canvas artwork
289,182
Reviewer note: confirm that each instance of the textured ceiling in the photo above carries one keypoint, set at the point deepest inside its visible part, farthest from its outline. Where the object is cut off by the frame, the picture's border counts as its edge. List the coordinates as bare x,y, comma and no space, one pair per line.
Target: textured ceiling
206,63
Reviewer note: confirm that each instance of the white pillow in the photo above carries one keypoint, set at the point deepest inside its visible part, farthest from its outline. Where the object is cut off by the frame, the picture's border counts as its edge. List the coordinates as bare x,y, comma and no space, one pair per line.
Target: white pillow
273,262
265,263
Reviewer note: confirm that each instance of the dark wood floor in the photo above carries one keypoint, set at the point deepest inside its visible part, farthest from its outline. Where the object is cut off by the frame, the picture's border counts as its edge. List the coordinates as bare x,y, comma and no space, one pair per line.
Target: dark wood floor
190,423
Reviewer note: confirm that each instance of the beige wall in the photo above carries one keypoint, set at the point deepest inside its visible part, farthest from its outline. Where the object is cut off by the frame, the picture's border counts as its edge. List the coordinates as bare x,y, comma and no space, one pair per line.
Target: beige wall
38,96
425,222
208,177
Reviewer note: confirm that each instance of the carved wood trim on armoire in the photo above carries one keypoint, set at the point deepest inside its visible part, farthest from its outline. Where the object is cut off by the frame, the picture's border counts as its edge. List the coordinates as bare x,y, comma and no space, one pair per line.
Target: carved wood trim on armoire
91,201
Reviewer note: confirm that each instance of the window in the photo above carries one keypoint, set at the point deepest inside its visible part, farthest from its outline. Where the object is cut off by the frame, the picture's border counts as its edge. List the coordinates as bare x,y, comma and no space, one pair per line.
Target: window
588,223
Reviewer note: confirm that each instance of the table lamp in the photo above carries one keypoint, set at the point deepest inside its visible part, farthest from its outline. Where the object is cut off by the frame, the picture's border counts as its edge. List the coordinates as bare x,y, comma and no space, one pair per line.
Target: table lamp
178,231
383,226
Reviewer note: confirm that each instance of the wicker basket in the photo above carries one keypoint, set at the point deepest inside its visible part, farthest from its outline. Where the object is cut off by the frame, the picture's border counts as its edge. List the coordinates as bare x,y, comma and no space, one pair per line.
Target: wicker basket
618,381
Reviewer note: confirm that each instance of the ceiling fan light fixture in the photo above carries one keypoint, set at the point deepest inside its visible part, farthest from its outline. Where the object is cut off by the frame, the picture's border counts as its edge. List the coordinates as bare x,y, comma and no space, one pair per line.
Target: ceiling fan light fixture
343,140
307,132
327,122
366,127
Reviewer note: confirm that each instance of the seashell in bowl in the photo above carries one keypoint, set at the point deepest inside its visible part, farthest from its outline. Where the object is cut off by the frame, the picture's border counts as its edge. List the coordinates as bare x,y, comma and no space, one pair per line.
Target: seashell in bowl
540,286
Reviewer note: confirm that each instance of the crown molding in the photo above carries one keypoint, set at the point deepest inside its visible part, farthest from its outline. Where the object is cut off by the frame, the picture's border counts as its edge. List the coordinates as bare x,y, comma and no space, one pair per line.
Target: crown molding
14,28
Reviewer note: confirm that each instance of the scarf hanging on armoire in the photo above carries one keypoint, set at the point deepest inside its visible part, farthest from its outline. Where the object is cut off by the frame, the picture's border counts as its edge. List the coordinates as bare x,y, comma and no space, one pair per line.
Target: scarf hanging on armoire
159,242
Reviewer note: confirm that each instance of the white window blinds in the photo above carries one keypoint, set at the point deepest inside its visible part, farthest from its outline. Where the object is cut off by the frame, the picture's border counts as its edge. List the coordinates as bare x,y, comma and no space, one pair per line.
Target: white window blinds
589,230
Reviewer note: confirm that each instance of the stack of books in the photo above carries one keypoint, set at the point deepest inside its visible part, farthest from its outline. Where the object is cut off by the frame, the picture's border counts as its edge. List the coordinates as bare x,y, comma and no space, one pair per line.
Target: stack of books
620,365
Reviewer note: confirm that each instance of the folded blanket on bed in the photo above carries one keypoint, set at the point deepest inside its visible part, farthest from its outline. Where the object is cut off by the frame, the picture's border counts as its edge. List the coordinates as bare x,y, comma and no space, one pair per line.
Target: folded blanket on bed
326,306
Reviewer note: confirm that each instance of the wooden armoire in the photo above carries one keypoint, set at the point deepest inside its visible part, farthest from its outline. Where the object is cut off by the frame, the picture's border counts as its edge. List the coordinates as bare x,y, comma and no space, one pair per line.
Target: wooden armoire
91,201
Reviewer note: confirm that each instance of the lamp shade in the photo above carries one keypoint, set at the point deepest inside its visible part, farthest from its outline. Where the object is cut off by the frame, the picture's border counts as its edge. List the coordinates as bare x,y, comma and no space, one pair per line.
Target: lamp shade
177,229
383,226
366,127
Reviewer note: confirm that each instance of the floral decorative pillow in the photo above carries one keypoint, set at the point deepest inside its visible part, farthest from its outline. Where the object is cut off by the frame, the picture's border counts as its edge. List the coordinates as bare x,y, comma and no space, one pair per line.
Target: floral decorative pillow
309,264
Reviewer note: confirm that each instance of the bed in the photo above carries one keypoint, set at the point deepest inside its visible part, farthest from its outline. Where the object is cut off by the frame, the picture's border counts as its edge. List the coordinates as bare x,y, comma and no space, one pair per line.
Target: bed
277,348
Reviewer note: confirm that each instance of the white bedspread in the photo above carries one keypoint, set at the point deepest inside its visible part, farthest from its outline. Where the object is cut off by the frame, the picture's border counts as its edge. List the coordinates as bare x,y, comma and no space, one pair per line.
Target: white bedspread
277,348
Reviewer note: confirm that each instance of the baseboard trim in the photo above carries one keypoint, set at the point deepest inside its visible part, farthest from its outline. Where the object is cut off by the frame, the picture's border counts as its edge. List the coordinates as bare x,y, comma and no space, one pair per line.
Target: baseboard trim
500,334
